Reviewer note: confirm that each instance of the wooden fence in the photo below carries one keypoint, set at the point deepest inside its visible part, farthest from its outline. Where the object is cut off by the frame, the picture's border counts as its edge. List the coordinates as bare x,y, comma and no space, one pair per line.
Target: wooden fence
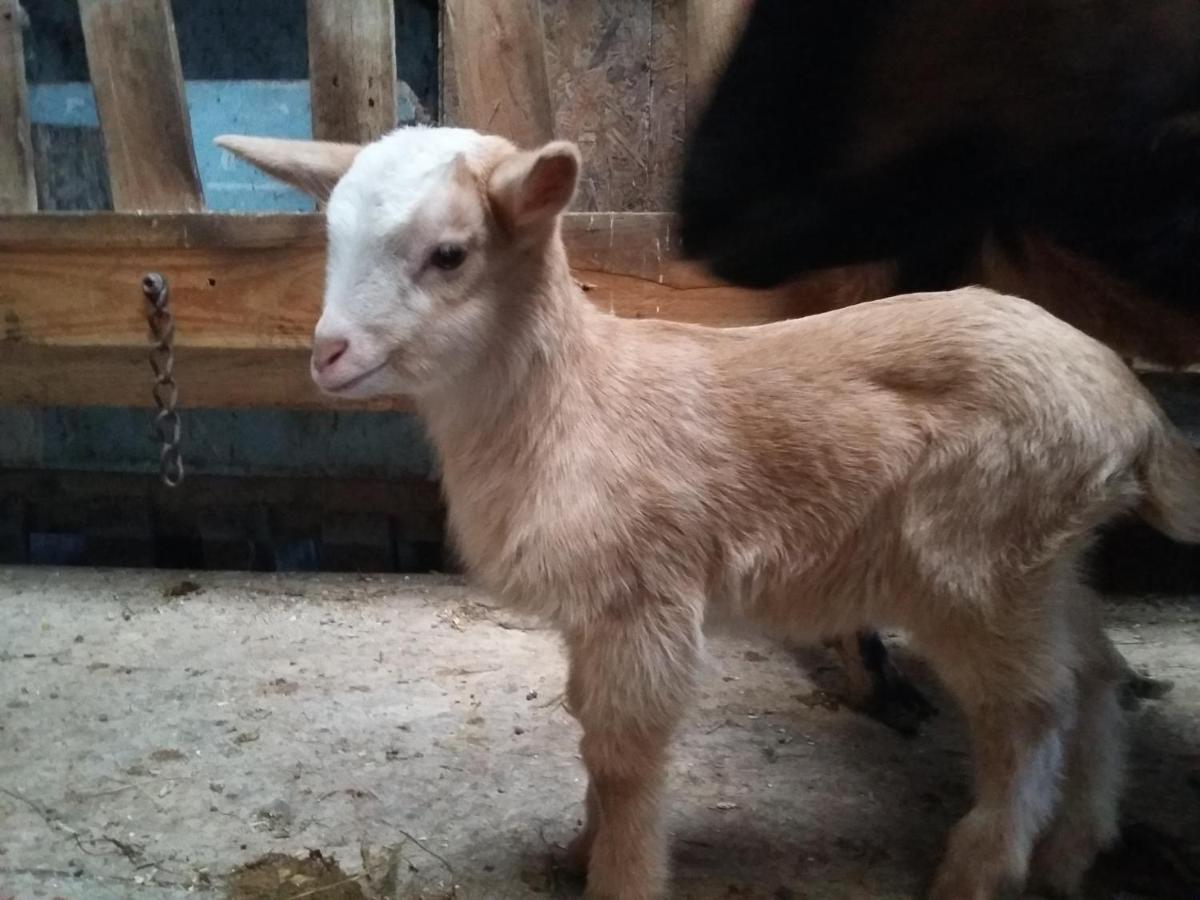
246,288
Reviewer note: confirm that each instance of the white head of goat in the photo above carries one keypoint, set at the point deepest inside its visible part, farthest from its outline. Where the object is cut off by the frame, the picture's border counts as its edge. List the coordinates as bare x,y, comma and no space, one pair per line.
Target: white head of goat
424,226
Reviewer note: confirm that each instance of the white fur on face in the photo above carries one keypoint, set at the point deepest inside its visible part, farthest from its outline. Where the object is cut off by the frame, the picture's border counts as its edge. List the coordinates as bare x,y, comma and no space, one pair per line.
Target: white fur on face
384,217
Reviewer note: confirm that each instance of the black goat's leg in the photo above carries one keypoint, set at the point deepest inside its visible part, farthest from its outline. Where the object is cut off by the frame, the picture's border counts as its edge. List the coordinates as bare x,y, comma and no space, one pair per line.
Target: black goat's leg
1138,686
877,687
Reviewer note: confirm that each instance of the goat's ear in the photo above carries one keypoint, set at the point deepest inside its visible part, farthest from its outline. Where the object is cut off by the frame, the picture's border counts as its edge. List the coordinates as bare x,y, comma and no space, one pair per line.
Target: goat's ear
530,188
312,166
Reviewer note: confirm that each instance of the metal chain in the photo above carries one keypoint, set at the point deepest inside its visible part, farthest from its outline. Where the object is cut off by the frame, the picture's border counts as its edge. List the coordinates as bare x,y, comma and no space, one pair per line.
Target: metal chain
167,425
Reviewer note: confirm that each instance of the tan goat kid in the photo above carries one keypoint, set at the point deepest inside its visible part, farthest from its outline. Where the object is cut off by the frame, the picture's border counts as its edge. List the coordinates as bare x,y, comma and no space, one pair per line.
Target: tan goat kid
935,463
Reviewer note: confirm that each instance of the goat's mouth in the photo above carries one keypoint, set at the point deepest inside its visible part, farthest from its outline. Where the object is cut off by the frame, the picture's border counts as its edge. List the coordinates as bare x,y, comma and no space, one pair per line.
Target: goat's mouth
350,384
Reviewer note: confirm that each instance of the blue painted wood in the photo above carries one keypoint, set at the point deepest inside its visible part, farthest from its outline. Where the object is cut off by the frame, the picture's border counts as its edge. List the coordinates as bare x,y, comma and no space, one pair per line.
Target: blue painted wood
274,108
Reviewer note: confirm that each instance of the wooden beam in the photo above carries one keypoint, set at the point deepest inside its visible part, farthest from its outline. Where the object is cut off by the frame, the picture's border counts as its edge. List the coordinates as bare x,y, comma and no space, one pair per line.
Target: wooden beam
352,68
246,292
33,375
668,103
255,282
138,81
712,29
493,50
18,189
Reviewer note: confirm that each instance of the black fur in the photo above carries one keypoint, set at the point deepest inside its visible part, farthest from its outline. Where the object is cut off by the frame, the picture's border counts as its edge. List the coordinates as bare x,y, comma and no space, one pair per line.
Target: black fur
1089,149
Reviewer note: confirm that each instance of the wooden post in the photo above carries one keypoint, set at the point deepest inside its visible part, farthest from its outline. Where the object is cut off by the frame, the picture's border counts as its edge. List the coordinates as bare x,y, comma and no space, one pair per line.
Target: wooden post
138,80
352,69
712,29
493,49
18,191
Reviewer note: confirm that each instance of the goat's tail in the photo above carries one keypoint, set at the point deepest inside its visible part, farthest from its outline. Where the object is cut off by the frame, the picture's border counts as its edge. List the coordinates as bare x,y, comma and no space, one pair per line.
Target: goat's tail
1171,480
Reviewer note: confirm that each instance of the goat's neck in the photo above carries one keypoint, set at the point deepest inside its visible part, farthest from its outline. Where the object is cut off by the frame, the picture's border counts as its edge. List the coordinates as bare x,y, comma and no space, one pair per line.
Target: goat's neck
533,376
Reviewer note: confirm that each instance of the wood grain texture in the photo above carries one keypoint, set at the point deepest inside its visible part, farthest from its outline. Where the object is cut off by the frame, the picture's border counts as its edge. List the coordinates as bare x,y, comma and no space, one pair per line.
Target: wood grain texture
712,28
352,68
68,163
246,292
18,189
494,69
668,103
251,283
597,61
134,63
39,375
616,72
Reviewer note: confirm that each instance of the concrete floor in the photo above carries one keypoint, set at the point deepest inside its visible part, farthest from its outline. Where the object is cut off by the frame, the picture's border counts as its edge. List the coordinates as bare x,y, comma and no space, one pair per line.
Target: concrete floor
158,732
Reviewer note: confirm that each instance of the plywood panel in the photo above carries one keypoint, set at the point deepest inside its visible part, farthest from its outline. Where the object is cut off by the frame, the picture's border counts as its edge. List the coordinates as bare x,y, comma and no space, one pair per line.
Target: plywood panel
18,190
134,63
352,68
597,60
712,29
494,69
668,91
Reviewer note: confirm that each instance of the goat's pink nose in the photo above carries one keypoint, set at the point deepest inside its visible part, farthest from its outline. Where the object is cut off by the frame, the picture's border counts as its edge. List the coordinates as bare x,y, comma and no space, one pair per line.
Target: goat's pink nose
327,352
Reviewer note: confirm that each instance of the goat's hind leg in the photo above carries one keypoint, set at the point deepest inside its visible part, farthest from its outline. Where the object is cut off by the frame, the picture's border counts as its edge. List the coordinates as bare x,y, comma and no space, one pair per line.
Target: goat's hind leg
1087,818
1018,694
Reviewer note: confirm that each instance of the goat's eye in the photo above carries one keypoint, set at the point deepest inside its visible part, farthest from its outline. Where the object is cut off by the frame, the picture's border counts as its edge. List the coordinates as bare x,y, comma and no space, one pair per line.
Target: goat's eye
448,256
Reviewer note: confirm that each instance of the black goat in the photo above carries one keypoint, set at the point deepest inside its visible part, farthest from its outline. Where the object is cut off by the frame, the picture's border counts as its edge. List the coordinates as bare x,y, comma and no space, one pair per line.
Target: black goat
911,130
924,132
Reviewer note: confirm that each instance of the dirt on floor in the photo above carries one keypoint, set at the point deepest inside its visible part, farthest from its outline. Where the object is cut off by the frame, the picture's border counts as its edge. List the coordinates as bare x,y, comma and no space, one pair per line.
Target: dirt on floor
165,735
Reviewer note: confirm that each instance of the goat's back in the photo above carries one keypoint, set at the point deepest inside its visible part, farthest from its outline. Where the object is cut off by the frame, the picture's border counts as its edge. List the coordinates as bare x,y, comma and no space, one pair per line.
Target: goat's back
928,446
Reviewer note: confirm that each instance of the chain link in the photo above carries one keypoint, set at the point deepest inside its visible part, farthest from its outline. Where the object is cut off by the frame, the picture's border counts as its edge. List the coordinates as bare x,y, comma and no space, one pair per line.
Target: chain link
167,425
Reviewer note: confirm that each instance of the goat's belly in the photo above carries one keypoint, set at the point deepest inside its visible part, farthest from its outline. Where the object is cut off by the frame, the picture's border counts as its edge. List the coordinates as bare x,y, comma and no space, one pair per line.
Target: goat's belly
802,606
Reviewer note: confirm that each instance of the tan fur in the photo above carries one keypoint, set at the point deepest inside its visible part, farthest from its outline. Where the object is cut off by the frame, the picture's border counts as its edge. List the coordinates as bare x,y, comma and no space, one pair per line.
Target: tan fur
936,463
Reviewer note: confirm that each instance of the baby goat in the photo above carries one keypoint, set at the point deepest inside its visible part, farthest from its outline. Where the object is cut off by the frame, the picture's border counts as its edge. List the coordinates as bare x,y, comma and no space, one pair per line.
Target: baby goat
936,463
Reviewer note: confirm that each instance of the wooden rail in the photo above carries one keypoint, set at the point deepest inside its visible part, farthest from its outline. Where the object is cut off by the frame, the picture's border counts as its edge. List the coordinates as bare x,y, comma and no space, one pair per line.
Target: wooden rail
247,290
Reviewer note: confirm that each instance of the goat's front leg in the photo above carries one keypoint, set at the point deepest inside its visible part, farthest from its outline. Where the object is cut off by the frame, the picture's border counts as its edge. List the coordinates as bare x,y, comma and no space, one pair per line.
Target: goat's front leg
629,684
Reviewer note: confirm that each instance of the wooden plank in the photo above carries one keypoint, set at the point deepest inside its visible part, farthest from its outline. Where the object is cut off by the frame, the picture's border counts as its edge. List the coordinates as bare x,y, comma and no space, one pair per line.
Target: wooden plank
134,62
247,290
230,517
712,29
493,51
69,165
235,289
14,544
668,92
18,189
41,375
597,62
352,68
